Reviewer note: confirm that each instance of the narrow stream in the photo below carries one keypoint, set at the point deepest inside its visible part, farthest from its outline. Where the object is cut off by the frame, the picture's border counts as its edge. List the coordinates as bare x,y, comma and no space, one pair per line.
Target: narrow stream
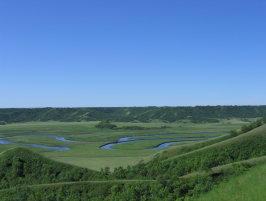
124,140
3,140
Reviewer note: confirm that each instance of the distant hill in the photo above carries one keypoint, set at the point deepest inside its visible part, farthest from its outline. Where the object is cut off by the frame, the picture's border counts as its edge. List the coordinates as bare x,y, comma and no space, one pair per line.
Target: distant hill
125,114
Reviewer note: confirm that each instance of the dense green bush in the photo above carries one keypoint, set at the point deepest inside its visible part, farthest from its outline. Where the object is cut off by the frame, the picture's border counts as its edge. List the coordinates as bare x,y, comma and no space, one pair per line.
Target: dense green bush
105,124
166,190
248,127
2,123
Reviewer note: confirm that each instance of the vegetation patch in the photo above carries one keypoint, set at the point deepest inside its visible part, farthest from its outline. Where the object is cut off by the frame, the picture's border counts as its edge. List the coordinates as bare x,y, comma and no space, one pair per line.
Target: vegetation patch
105,124
2,123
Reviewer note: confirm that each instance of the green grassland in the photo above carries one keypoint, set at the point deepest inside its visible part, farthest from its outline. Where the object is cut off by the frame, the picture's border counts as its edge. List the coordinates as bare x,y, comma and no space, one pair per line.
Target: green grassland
86,152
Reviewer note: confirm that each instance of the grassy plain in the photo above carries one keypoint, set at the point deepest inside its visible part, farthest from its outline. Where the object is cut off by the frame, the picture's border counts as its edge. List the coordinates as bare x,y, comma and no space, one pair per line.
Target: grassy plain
86,152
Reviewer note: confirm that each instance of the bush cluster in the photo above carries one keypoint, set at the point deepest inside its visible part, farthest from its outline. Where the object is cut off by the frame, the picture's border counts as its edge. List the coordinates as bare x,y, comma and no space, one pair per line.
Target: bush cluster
105,124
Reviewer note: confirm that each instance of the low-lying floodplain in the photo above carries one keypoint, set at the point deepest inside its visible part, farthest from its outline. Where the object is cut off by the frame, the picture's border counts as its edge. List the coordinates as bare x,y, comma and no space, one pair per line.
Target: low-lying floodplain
84,145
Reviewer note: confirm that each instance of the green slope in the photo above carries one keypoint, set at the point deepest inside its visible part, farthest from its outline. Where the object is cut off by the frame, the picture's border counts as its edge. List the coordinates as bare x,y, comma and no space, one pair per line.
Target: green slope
255,129
20,166
222,142
250,186
245,146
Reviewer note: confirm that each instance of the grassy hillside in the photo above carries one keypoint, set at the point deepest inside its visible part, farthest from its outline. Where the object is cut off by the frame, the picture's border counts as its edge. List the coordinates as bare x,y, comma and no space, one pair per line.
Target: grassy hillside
126,114
247,187
20,166
243,147
109,190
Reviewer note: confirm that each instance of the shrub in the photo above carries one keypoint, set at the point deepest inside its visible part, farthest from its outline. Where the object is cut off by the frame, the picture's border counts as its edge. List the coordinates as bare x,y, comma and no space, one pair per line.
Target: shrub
2,123
105,124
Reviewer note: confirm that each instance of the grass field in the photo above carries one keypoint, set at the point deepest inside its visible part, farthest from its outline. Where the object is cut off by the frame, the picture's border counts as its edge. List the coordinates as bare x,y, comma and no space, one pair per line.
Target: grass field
86,152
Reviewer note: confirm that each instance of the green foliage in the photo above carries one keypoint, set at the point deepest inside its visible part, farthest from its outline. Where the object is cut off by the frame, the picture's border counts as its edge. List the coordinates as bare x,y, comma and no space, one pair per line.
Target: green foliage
248,127
2,123
185,149
20,166
253,125
167,190
196,114
234,133
105,124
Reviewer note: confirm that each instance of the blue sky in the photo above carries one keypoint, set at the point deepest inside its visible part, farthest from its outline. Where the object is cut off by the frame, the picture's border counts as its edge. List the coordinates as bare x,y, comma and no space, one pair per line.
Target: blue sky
132,53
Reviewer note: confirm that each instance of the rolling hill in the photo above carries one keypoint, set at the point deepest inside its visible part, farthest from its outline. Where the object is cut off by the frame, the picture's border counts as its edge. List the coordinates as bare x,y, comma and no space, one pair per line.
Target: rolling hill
125,114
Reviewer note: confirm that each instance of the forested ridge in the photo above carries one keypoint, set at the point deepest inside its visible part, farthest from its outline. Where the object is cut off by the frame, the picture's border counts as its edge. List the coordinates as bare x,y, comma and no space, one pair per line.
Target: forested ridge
162,178
125,114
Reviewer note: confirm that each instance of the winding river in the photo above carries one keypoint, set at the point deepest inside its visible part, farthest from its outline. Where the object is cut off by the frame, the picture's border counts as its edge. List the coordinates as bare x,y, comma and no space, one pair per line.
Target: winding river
3,141
123,140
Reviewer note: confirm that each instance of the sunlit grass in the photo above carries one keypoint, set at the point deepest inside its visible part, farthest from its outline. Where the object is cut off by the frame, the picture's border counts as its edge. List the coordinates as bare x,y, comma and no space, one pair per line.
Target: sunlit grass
248,187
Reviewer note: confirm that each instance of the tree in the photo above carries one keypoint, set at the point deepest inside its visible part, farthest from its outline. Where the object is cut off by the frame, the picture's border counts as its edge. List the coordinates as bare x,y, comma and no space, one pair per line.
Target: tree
2,123
105,124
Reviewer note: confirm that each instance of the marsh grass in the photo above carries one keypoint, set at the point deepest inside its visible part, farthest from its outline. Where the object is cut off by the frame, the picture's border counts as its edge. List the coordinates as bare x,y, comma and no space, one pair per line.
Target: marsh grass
86,152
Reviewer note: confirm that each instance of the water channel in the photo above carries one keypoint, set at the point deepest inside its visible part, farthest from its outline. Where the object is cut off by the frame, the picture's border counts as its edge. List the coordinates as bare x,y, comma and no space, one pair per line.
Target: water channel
123,140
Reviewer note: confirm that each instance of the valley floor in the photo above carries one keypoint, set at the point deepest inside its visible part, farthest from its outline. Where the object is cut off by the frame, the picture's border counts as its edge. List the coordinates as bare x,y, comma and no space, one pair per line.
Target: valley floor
86,152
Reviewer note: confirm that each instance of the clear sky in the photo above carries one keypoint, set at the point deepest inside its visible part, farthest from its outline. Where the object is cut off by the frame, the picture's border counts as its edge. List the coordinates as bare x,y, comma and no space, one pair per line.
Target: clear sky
63,53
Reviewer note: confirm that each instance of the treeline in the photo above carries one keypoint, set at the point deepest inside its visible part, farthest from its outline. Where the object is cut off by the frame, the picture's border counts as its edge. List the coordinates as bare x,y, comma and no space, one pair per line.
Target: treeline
196,114
109,125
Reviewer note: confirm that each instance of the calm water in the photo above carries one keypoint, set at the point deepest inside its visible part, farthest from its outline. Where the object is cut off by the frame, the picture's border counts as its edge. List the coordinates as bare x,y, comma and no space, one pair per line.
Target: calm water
124,140
3,140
